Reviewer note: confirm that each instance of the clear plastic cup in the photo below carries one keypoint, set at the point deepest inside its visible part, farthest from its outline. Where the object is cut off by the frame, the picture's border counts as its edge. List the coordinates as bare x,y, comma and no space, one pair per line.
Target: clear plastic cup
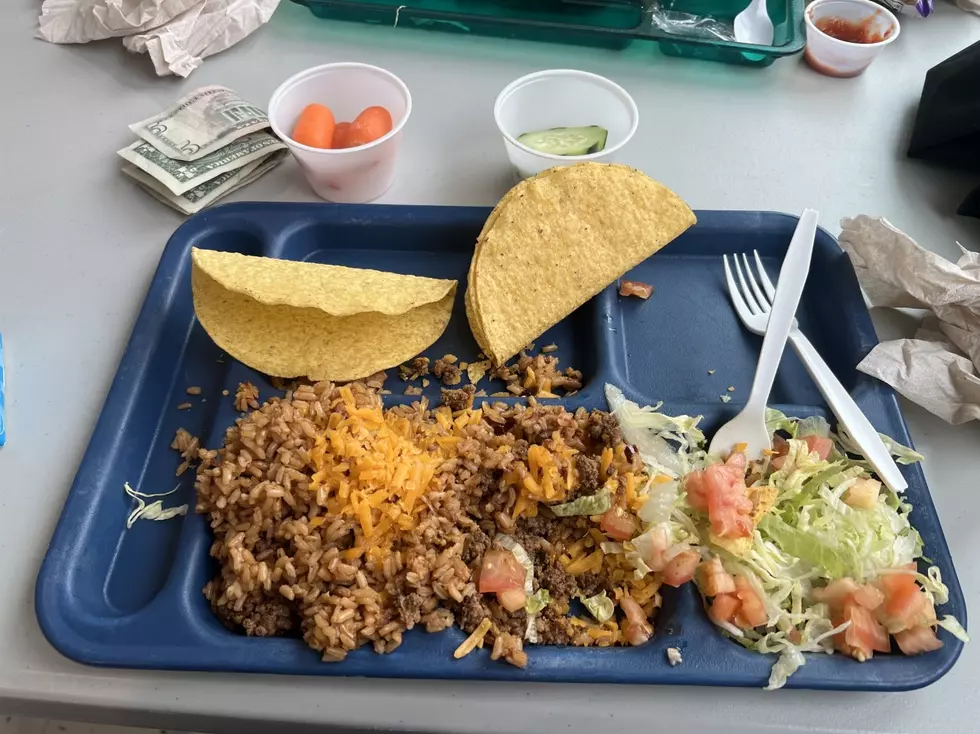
834,57
563,98
349,175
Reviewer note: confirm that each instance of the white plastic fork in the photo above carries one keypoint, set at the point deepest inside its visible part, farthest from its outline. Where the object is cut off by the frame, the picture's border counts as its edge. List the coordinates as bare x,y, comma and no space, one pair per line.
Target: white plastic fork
748,428
841,403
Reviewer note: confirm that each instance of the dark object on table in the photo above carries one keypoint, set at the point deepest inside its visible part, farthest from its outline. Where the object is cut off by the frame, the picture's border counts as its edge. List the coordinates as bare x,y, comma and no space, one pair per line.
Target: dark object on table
971,204
947,125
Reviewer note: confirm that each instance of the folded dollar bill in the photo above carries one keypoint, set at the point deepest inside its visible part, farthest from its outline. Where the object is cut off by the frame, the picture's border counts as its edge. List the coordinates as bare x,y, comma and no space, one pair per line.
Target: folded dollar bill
205,120
205,146
205,194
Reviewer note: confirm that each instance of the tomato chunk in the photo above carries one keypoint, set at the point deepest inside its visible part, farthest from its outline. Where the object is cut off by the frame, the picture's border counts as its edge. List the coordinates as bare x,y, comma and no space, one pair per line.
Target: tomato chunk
905,604
637,629
618,524
635,288
917,640
512,599
715,579
865,636
720,490
822,446
751,613
724,607
500,571
680,568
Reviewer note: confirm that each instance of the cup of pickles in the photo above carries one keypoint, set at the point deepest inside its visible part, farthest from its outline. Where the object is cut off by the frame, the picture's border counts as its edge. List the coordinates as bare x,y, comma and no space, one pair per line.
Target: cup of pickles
563,116
342,123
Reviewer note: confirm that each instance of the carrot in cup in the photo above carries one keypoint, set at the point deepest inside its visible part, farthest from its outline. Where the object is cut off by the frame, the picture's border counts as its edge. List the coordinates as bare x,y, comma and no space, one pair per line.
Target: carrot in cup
315,127
341,135
371,124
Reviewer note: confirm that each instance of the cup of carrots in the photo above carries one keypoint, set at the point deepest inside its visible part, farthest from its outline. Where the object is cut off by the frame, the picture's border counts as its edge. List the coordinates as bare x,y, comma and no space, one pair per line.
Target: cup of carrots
342,123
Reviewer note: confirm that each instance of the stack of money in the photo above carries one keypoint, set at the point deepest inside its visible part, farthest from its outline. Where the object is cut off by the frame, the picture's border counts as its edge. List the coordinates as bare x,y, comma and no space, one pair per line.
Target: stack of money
210,143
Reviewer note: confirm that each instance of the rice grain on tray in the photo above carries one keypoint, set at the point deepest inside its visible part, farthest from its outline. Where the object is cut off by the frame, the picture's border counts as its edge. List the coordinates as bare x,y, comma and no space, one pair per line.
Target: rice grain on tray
349,524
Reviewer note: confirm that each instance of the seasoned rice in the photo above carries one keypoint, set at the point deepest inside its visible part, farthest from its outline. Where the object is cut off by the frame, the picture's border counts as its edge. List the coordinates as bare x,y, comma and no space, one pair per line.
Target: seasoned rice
313,537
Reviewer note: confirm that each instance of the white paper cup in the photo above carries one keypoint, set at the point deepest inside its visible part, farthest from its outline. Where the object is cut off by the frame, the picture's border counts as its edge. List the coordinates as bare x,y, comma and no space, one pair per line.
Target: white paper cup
562,98
834,57
350,175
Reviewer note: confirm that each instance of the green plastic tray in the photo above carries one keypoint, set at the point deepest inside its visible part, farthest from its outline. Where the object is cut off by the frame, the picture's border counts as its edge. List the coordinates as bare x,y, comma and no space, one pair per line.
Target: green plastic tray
605,23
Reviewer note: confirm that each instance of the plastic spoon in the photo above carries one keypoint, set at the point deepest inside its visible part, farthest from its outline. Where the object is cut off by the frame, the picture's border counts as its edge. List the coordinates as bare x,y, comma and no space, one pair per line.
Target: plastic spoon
753,25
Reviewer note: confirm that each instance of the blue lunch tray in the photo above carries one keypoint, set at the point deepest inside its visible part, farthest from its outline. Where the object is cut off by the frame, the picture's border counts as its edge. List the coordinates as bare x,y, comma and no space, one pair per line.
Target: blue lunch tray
132,598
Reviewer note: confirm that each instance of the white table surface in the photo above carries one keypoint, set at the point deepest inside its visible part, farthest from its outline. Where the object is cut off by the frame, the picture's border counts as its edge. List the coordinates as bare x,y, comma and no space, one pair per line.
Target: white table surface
79,243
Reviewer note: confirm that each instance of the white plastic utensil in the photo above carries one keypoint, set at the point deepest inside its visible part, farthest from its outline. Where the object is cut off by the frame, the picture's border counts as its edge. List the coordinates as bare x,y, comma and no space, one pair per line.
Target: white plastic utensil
753,25
749,426
848,413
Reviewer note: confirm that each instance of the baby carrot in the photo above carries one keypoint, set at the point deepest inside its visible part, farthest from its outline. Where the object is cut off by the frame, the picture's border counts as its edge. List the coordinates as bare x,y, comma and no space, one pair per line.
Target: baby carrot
341,135
315,127
371,124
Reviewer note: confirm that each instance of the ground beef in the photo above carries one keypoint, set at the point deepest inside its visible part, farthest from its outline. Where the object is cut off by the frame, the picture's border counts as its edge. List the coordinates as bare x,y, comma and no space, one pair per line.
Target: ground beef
475,546
552,627
260,617
520,449
590,584
604,429
414,369
447,372
458,399
471,612
553,578
587,470
409,606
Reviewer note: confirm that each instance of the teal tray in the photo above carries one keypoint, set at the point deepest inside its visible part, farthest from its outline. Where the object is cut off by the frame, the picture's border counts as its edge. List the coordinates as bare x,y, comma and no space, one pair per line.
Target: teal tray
604,23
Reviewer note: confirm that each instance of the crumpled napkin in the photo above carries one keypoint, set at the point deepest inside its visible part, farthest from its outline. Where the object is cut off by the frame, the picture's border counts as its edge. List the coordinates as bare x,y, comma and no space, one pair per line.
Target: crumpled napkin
177,34
940,367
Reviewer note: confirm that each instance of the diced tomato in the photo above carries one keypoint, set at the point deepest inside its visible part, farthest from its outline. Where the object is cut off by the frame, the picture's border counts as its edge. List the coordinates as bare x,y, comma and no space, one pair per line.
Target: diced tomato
637,628
512,599
819,444
751,612
697,491
680,568
500,571
917,640
724,607
836,593
618,524
720,489
863,493
868,596
635,288
905,604
659,541
865,636
715,579
845,591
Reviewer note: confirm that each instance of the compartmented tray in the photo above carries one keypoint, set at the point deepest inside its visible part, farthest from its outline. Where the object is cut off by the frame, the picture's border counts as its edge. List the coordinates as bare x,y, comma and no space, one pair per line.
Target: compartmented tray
605,23
132,598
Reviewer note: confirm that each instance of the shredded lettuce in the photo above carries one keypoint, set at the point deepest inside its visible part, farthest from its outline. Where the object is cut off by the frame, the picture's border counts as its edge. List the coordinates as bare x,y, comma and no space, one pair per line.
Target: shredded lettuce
903,454
778,421
809,538
593,504
154,510
951,625
668,445
600,606
790,660
537,601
